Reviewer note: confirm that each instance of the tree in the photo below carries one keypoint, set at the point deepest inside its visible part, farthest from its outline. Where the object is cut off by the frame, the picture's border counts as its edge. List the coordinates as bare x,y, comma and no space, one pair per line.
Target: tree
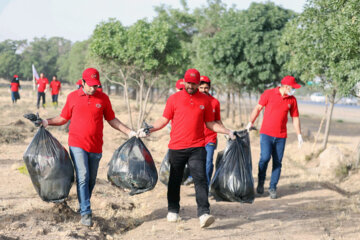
137,55
10,58
324,42
74,62
243,55
44,54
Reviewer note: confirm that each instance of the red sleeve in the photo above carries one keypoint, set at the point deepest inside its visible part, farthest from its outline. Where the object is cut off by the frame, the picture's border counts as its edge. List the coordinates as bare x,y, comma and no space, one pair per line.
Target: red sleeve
67,110
264,98
294,112
169,109
208,114
51,85
217,111
108,111
47,81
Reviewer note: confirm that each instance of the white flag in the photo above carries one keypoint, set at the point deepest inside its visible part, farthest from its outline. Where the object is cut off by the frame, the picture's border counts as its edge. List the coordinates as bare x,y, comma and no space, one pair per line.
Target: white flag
35,74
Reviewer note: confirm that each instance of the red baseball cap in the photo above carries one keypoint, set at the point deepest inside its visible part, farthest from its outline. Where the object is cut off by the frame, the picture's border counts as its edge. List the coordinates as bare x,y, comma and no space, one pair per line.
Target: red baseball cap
192,76
290,81
180,84
16,76
205,79
91,77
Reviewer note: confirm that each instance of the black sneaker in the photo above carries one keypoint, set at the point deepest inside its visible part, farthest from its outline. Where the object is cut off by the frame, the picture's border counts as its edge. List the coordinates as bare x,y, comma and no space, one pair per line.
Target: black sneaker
272,193
260,188
86,220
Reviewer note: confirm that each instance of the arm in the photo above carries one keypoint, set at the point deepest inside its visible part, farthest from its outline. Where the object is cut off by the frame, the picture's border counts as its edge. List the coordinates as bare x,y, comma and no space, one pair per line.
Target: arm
217,127
118,125
56,121
159,124
255,113
296,123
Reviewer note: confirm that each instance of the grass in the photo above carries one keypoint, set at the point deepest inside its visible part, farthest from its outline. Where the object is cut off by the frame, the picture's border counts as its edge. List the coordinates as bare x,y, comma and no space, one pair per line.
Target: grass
313,155
23,170
342,170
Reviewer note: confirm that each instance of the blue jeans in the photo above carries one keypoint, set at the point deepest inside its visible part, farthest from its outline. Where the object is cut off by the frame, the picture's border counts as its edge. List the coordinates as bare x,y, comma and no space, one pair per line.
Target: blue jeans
271,147
86,168
210,148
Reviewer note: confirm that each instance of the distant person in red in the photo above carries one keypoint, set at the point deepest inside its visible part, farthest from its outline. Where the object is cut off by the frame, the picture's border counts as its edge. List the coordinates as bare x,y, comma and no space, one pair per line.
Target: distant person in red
42,82
189,110
14,88
210,136
180,84
55,86
79,83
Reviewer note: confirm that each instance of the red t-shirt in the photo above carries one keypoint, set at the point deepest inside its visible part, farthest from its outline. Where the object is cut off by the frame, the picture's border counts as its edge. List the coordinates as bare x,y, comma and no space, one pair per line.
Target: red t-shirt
55,87
14,86
188,113
79,83
210,136
86,113
276,112
41,82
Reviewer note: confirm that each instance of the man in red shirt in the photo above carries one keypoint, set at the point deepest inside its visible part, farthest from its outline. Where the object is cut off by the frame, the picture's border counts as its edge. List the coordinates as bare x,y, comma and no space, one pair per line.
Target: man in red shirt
189,110
41,84
210,136
14,88
86,108
179,84
278,102
55,86
79,83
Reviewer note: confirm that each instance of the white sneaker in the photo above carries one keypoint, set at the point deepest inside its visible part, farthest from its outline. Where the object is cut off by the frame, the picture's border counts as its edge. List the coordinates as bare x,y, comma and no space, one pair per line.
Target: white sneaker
206,220
173,217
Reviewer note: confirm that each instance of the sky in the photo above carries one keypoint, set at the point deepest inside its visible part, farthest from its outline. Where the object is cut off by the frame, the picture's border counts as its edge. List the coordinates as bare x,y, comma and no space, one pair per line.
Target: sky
76,19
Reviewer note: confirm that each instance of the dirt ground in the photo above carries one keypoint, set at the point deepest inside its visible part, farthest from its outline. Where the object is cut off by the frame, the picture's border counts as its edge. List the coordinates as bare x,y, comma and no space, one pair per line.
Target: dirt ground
308,207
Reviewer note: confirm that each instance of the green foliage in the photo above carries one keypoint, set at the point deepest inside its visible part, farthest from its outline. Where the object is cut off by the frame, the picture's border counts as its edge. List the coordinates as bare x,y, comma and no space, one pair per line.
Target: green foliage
23,170
149,47
324,42
44,54
243,53
73,63
10,58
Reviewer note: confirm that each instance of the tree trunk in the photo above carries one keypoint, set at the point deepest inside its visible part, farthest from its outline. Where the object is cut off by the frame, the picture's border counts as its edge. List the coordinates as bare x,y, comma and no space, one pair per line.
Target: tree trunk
228,105
233,107
328,119
320,127
357,151
126,96
239,107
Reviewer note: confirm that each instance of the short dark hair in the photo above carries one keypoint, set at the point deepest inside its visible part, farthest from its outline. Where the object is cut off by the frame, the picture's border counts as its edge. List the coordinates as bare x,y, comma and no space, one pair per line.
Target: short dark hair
202,82
55,76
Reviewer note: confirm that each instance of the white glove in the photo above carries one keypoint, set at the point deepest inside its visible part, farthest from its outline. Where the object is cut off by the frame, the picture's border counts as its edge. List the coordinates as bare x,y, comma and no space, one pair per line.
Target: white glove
142,133
44,123
232,135
248,126
300,141
132,134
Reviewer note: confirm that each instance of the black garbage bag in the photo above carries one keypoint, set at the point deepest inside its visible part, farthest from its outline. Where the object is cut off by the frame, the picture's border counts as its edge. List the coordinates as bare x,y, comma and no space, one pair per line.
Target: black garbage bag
219,158
233,180
49,166
132,167
164,171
